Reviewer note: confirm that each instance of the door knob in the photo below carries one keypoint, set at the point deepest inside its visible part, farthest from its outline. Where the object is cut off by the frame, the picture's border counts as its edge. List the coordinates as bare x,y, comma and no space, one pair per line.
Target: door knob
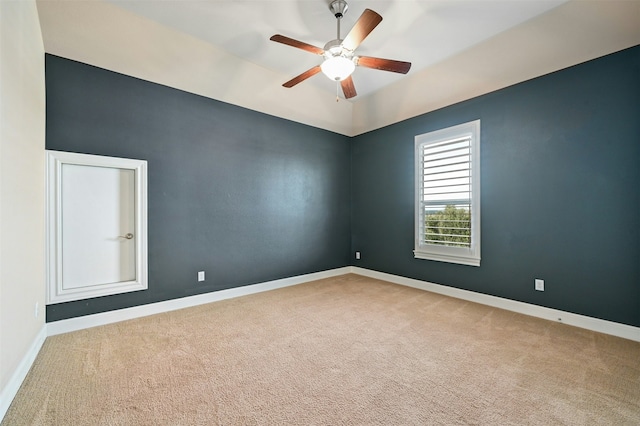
128,236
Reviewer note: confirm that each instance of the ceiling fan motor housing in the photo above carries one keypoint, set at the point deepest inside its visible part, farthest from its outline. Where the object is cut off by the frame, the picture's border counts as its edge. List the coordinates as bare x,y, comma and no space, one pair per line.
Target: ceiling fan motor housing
335,48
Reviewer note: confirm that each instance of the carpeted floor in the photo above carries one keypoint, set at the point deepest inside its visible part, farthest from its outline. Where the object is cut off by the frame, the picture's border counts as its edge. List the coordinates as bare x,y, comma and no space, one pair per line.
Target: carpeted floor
342,351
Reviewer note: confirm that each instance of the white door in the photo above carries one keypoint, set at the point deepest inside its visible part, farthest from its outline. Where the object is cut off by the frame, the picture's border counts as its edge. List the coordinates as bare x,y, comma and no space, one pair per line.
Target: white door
97,226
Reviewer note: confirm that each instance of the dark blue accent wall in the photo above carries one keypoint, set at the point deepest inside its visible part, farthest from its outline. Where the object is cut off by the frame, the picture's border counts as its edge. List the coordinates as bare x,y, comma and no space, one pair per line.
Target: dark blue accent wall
249,198
244,196
560,192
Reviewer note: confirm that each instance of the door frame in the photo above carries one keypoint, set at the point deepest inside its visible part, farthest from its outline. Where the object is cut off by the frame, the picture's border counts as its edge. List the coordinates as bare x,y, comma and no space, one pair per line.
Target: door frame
54,162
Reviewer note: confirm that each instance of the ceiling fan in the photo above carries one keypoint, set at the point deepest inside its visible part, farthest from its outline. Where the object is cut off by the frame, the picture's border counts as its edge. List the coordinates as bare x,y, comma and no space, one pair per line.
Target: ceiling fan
339,58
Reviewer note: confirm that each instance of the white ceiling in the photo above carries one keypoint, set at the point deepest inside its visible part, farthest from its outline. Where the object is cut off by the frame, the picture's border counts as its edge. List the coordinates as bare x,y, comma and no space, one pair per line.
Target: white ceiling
458,49
420,32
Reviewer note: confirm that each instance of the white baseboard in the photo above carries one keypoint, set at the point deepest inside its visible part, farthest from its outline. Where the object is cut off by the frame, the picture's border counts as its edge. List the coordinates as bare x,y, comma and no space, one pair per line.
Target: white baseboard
87,321
11,389
582,321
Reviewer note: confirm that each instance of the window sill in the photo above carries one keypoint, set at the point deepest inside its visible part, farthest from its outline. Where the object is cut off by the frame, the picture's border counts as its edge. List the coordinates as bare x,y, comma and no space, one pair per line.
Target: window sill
461,260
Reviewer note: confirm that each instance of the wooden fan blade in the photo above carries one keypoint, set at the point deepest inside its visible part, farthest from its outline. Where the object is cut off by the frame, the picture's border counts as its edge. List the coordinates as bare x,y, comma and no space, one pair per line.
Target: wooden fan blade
302,77
348,88
384,64
364,25
295,43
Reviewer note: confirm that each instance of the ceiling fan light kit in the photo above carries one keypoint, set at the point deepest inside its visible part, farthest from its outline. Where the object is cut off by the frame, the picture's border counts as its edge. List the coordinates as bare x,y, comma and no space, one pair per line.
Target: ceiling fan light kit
337,68
339,59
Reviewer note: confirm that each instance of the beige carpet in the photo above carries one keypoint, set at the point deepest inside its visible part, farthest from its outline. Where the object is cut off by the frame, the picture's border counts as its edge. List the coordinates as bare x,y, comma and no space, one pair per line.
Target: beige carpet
342,351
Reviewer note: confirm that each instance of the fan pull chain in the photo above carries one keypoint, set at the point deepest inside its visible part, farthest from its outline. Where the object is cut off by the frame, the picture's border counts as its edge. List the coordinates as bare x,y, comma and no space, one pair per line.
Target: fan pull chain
337,91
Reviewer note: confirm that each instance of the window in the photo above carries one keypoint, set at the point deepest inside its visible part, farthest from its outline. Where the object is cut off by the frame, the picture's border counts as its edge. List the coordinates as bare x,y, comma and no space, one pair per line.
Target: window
447,216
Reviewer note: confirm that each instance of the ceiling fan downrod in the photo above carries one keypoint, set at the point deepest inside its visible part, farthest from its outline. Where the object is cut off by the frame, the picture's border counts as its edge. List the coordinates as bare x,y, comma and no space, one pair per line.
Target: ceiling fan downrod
338,8
338,63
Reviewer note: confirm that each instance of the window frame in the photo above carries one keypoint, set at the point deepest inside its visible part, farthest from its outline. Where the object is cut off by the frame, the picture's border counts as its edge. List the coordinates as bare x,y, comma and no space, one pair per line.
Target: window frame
460,255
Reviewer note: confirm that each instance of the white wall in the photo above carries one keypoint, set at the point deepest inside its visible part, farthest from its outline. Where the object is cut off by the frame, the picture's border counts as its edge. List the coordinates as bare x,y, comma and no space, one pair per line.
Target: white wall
22,136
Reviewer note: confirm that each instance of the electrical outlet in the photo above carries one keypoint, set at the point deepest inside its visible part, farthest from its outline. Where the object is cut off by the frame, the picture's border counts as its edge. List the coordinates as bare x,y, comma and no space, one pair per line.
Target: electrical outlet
539,285
201,276
357,255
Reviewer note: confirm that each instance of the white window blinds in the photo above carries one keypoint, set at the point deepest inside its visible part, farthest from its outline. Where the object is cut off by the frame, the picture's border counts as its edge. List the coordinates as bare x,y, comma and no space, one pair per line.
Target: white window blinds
446,192
447,226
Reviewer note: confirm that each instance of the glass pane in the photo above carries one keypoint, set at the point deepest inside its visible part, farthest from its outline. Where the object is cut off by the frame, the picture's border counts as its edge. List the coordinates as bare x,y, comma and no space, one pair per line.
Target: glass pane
448,225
